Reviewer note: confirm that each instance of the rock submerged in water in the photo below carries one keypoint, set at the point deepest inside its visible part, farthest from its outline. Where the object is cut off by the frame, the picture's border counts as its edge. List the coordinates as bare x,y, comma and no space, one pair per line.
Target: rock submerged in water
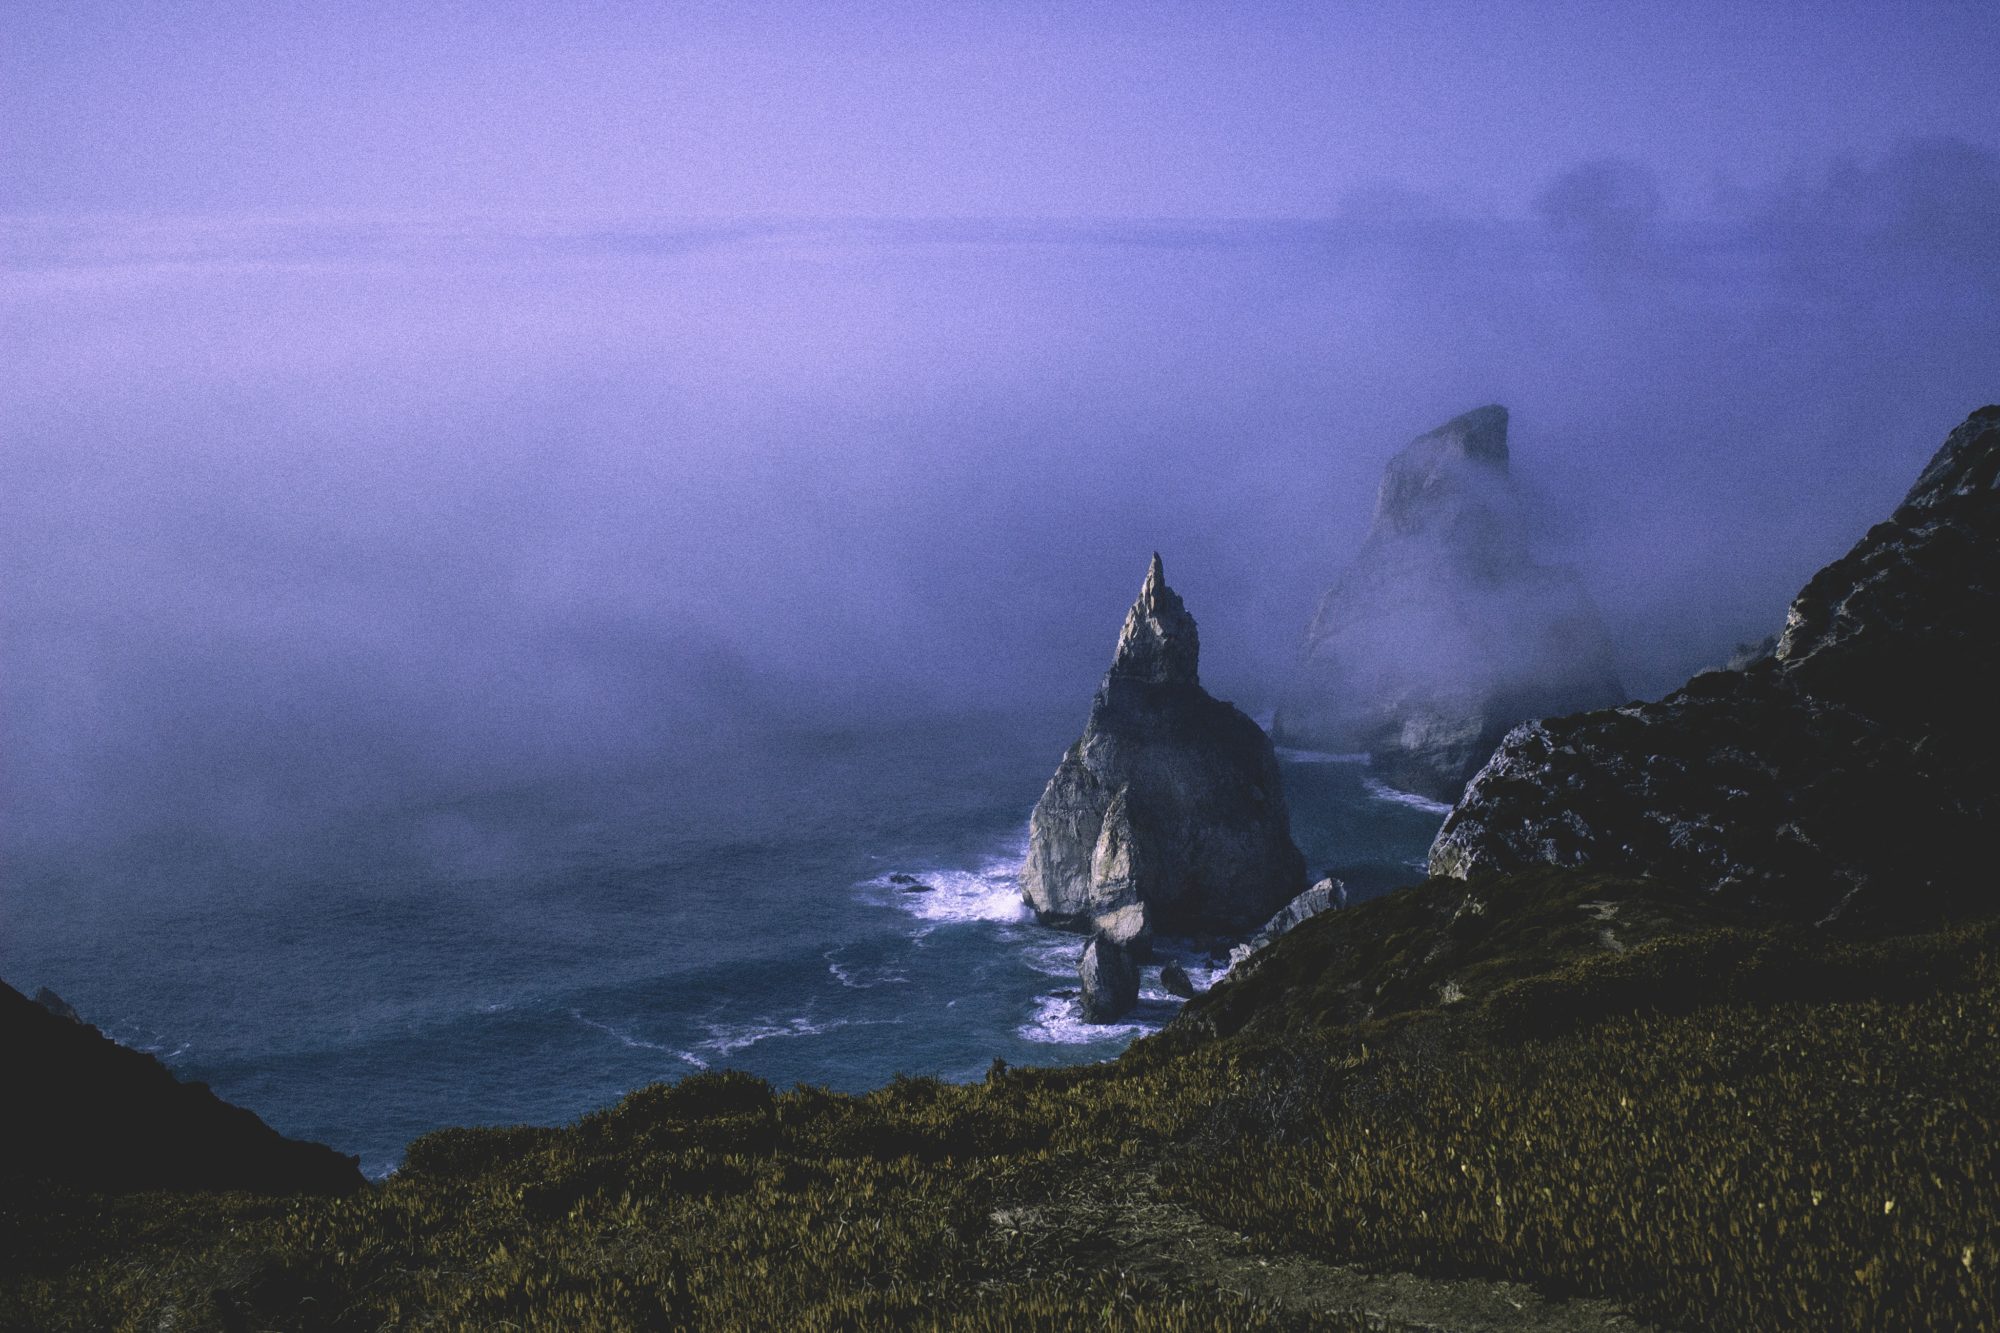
1175,981
1110,980
1447,629
1168,813
1849,773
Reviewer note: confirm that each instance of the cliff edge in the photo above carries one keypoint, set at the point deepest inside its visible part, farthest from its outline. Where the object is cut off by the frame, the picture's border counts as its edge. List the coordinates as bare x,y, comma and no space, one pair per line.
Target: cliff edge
83,1112
1851,775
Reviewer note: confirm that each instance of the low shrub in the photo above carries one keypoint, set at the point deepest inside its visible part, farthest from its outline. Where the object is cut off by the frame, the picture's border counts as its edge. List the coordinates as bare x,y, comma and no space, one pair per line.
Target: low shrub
1720,1124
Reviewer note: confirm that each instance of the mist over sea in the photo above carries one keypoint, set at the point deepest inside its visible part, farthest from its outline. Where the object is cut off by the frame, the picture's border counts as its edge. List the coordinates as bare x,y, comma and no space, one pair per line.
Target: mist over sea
460,669
530,953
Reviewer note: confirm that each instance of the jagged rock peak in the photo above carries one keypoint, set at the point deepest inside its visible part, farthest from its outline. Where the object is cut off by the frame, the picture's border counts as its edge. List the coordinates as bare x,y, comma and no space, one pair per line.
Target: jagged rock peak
1480,435
1875,588
1967,462
1850,775
1168,813
1159,643
1431,471
1446,628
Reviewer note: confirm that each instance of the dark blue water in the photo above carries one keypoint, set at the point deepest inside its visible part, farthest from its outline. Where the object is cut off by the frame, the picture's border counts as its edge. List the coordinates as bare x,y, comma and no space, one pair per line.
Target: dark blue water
532,953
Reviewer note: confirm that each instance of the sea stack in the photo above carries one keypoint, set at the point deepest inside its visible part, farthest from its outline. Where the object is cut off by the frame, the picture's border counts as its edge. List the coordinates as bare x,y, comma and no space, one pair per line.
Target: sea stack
1168,813
1108,979
1447,629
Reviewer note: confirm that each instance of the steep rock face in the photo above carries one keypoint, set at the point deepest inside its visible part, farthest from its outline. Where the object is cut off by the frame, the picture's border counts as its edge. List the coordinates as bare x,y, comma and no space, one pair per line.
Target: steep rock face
85,1112
1108,976
1853,774
1325,896
1168,813
1446,630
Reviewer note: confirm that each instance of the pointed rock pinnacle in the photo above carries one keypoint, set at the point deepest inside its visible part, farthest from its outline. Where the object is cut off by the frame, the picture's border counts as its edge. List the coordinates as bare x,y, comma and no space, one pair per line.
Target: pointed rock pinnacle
1159,643
1167,814
1480,434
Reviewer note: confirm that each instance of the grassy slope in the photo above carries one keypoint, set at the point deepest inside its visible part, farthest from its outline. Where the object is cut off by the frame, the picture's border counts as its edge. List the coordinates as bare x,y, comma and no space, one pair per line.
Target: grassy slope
1585,1084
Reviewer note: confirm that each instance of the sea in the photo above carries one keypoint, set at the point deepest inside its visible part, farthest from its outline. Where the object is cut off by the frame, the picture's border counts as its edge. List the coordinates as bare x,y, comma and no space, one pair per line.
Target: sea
822,904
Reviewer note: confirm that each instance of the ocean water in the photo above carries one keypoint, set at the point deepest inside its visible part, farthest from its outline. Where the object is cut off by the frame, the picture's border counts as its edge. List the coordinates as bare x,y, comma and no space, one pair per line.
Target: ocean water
529,953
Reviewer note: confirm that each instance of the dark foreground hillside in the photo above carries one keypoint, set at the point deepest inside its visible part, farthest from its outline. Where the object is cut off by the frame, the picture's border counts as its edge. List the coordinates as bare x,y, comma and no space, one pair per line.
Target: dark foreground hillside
82,1109
1591,1087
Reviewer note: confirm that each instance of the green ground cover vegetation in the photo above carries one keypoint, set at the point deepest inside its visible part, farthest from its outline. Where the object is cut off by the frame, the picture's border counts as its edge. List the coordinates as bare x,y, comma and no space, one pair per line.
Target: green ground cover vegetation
1587,1085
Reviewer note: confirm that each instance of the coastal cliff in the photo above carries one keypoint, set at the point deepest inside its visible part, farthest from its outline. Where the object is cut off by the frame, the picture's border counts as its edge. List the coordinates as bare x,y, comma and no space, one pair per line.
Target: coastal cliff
83,1112
1447,629
1592,1092
1852,774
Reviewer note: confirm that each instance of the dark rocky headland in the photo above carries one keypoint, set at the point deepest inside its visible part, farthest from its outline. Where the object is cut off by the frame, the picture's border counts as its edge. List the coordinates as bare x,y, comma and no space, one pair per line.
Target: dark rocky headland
1700,1029
86,1112
1851,775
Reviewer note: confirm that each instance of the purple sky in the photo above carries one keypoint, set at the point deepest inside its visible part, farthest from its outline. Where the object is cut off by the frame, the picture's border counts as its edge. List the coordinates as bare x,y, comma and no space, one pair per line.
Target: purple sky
407,395
949,110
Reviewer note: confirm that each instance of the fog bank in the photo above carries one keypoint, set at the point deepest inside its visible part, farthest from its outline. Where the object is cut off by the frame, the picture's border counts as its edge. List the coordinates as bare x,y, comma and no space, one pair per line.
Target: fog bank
300,514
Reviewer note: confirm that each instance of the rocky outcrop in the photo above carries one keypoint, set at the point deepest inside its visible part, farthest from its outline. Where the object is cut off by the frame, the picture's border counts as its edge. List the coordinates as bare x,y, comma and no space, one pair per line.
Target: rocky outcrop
83,1112
1109,976
57,1005
1447,629
1853,774
1168,813
1324,896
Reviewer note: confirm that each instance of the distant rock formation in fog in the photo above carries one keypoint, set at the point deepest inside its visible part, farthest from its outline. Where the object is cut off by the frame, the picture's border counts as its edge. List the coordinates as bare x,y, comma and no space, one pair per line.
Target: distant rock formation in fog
1446,630
1168,813
1847,773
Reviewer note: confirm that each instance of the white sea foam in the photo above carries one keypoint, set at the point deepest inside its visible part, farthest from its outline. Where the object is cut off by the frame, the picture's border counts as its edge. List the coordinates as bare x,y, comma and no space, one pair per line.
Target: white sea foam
1059,1021
141,1039
1292,756
990,891
1207,975
862,978
725,1039
1057,958
1200,975
1382,791
638,1043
